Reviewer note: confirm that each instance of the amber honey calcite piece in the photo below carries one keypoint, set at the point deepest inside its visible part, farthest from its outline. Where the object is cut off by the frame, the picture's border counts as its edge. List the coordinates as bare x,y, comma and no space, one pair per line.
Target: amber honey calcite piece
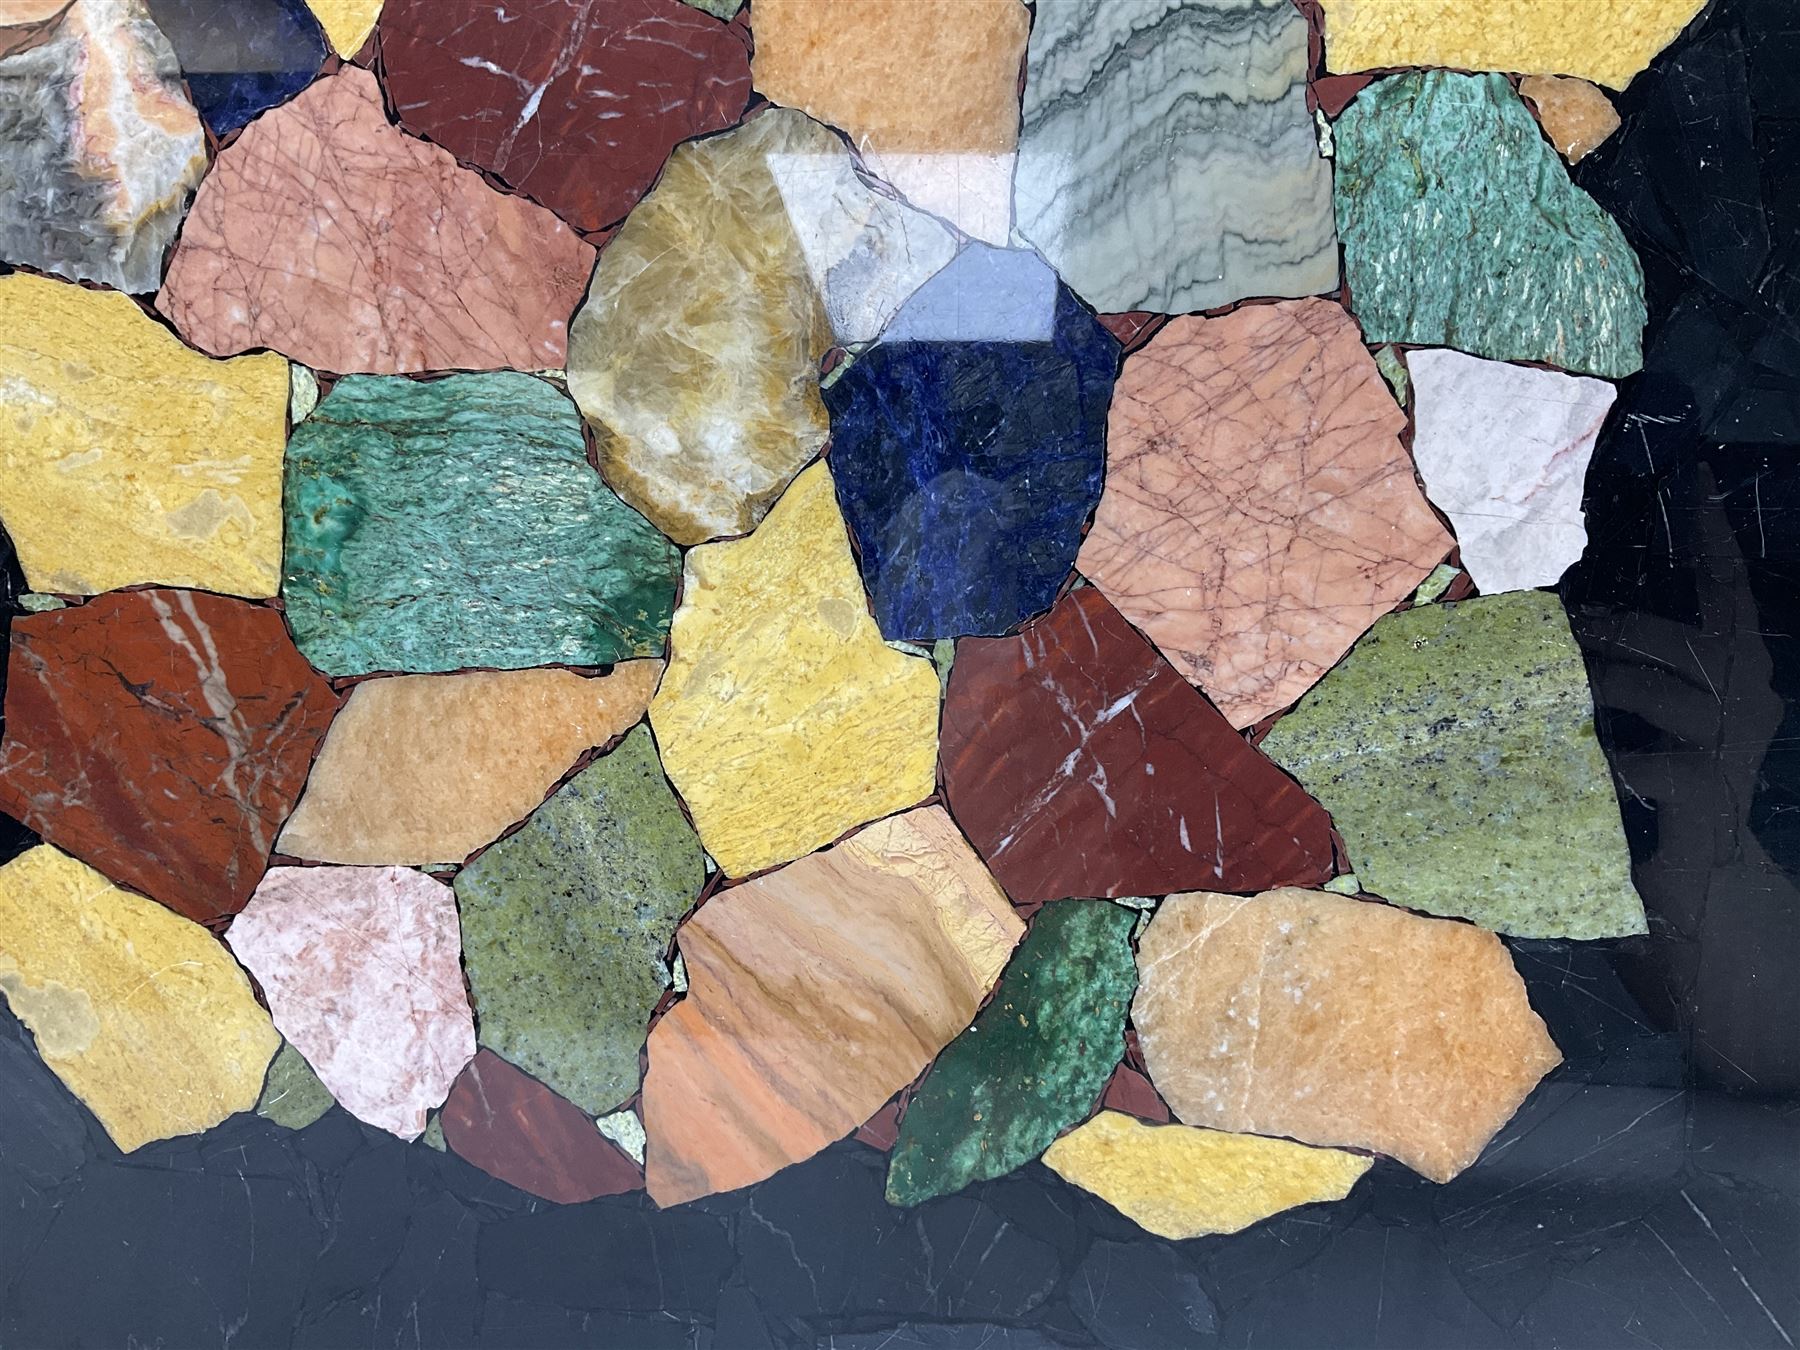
1337,1022
1575,115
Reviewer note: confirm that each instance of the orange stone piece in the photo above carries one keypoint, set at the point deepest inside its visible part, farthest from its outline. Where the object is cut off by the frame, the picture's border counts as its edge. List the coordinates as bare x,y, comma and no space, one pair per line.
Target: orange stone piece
1338,1022
1575,115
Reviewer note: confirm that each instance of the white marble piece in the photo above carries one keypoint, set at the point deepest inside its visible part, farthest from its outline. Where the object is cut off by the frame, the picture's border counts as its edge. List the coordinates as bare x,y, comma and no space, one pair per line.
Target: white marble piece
362,968
1167,160
1503,451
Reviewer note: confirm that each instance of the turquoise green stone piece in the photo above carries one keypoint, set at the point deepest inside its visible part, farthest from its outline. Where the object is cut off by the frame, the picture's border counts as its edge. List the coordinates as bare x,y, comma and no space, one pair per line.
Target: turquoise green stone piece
566,924
1033,1063
719,9
1393,369
33,603
1461,229
292,1094
436,525
1455,749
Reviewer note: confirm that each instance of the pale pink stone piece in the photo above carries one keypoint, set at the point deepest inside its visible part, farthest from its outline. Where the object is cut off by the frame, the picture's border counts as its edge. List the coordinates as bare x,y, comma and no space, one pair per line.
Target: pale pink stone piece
1260,512
327,234
362,968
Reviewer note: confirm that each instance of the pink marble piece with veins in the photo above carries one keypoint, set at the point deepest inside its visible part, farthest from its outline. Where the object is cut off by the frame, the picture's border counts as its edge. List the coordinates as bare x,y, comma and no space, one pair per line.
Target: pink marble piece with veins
362,969
1260,512
328,235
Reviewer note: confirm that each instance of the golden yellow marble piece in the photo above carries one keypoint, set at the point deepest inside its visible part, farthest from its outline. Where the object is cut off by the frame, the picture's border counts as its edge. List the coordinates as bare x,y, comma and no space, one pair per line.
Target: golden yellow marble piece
1180,1182
1576,116
347,23
784,720
140,1012
1607,41
126,457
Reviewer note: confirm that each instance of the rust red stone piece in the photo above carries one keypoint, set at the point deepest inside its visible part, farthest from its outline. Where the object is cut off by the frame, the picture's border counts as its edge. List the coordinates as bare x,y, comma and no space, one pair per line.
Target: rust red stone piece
1080,764
575,104
1134,328
511,1126
162,737
1131,1092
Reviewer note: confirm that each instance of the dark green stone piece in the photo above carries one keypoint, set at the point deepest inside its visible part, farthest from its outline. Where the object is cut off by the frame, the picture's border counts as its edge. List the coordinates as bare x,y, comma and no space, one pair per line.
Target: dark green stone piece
292,1094
566,923
1033,1063
437,525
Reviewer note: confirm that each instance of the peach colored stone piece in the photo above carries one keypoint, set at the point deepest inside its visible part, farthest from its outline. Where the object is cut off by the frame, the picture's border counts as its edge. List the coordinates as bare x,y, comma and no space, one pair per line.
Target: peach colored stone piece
815,993
1336,1021
1575,115
428,768
327,234
927,90
1260,512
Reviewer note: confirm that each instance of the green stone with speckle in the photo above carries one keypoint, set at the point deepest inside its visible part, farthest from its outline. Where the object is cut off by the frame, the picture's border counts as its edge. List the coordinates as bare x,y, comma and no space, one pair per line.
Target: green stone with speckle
1034,1062
292,1094
566,923
1455,749
1461,229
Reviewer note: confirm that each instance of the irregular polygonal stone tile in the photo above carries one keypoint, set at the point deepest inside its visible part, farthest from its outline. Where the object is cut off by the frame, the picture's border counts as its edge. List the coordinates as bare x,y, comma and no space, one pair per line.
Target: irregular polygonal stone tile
142,1014
927,90
1179,1182
968,445
419,769
1260,511
292,1095
1081,764
1336,1021
127,458
161,736
457,522
1454,747
513,1127
1575,116
362,972
1604,40
101,146
784,720
1461,228
1033,1063
567,923
578,105
327,235
696,355
817,992
1504,451
1167,161
241,57
347,23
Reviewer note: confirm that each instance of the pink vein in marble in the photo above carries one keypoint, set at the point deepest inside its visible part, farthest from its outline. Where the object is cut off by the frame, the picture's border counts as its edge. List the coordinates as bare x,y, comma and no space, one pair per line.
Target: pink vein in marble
325,233
1504,453
1260,511
362,969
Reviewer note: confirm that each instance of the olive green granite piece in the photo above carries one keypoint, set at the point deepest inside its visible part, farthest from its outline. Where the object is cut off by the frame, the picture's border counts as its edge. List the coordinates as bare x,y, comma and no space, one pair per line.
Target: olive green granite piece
1433,587
1393,369
567,922
443,524
1034,1062
1461,229
292,1094
433,1137
1455,749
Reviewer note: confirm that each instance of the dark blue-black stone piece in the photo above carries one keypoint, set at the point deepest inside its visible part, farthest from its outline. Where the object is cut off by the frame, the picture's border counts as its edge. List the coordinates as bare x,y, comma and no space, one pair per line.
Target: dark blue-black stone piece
968,446
241,57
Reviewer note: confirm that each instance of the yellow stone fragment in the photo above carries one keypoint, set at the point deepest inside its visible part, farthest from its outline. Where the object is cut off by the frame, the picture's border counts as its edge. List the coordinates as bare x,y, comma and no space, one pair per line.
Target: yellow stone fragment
784,720
142,1013
347,23
128,458
1181,1182
1607,41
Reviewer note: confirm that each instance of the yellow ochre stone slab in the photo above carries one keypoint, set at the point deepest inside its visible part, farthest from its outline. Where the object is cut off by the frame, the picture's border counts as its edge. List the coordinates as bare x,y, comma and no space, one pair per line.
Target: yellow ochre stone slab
783,719
142,1013
1181,1182
128,458
1607,41
347,23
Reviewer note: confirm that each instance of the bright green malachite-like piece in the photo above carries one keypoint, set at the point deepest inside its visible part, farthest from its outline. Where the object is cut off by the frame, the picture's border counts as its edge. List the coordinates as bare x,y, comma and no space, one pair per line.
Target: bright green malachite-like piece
452,523
566,923
1455,749
1033,1063
1461,229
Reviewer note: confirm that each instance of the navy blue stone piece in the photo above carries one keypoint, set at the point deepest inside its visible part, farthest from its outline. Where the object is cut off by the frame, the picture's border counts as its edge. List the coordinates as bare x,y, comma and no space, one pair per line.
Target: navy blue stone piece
969,443
241,57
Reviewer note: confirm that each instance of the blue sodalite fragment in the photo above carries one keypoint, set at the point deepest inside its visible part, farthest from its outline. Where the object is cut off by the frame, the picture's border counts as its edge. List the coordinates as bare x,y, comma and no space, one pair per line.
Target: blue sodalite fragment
968,446
241,57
